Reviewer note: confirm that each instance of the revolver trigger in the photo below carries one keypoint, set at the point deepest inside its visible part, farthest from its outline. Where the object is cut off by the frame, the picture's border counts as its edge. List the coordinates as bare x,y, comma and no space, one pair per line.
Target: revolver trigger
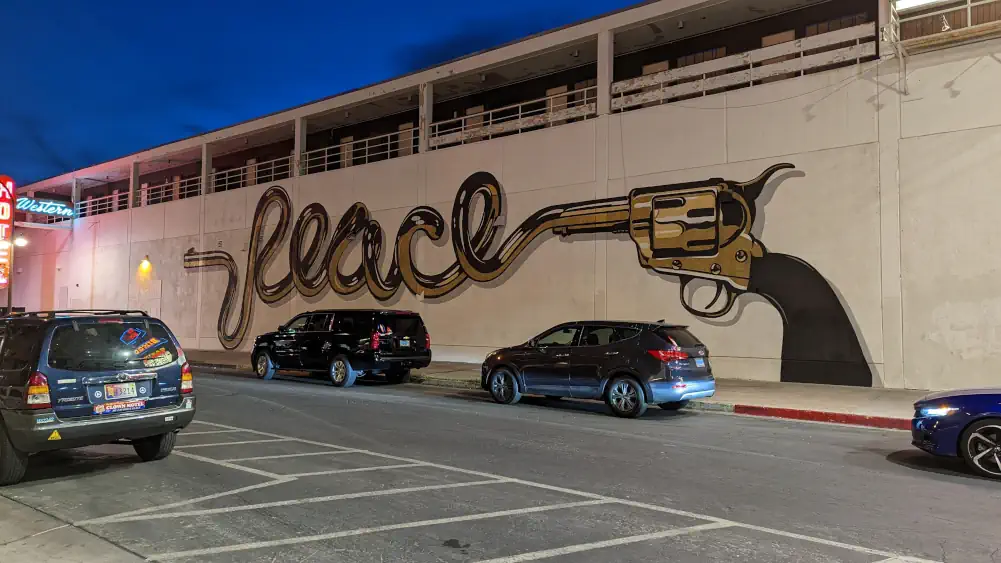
719,291
731,298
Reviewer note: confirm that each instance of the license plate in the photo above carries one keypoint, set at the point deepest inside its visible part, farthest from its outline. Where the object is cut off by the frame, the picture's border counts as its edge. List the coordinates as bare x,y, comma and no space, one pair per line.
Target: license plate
120,406
404,344
120,391
700,363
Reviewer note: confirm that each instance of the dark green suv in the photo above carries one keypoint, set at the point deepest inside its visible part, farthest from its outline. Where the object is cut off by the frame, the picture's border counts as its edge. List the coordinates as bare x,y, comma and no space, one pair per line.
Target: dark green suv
80,378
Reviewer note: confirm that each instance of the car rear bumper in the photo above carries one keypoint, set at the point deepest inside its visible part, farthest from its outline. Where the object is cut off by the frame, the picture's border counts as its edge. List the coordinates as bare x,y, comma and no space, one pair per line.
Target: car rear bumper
676,391
36,431
380,362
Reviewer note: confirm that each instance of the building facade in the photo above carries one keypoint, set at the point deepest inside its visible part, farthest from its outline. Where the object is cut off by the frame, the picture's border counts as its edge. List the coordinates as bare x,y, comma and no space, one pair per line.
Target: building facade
808,191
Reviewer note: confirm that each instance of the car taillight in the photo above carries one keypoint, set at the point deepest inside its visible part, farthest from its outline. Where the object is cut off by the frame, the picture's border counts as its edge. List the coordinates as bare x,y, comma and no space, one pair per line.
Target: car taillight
668,355
375,340
37,396
187,381
427,340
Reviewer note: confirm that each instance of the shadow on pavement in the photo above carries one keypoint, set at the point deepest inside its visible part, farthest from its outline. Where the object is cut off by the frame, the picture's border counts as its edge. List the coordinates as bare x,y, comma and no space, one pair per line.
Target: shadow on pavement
575,405
952,466
66,464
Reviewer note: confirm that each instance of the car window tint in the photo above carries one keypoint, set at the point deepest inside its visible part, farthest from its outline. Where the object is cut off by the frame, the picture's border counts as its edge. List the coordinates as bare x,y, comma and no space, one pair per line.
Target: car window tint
598,336
624,334
319,322
299,323
561,337
21,347
344,322
678,337
93,345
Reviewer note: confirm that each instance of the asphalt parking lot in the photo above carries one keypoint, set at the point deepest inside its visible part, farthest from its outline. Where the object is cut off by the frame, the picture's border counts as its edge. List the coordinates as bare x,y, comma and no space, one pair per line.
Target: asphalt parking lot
254,493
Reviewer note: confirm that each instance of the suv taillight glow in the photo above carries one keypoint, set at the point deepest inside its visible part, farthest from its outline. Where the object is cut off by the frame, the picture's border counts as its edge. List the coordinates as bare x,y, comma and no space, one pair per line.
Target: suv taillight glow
668,355
187,381
37,396
375,340
427,340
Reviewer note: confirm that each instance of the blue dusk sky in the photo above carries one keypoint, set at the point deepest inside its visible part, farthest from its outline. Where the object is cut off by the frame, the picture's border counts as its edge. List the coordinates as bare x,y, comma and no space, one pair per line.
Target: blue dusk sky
86,82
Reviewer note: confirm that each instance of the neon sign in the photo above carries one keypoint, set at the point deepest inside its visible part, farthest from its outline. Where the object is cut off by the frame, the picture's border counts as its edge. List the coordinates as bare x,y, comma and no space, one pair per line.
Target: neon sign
6,228
44,207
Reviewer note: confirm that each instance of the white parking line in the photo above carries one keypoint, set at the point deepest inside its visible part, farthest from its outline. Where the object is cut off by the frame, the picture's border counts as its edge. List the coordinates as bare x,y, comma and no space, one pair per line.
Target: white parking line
268,474
298,502
595,499
547,553
283,456
372,530
200,432
240,443
355,470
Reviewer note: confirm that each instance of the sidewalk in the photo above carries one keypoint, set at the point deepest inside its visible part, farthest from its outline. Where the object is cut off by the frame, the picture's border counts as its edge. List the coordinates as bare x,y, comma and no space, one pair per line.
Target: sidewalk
878,408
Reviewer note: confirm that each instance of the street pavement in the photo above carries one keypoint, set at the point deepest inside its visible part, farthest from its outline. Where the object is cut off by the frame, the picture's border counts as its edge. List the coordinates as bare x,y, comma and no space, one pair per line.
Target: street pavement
286,470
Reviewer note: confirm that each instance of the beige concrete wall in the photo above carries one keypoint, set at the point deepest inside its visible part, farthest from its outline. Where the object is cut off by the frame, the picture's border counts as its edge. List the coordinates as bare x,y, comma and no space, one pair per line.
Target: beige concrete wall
891,201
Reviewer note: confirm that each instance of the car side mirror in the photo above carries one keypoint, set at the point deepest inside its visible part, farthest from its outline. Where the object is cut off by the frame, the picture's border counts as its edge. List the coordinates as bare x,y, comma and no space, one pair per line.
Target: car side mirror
533,343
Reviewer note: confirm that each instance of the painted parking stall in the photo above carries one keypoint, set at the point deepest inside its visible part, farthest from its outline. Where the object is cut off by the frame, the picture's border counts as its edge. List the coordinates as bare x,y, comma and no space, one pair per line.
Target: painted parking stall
273,497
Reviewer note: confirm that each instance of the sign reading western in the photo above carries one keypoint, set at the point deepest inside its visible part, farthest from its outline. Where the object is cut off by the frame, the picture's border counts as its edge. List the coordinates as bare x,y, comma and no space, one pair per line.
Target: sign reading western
6,228
44,207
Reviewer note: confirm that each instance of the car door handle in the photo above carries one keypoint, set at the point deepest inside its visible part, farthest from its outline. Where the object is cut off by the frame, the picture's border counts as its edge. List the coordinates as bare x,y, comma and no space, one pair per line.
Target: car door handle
561,355
611,353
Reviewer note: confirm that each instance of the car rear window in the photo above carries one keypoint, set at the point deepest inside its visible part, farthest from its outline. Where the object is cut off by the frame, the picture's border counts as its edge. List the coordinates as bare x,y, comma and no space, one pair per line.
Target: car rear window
402,325
107,345
679,336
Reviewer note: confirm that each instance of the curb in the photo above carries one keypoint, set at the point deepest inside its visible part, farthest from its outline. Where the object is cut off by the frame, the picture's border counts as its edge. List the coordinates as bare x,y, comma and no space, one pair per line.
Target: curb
803,414
704,406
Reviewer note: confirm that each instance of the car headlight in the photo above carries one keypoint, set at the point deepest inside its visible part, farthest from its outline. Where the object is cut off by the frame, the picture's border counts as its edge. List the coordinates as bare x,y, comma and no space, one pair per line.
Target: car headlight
938,411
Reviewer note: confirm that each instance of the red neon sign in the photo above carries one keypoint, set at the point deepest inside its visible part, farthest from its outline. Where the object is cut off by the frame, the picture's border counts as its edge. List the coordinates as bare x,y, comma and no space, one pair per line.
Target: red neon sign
7,199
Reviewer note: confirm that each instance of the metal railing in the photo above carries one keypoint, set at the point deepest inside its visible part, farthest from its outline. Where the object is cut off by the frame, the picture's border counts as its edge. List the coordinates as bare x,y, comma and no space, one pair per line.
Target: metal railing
843,47
362,151
102,205
552,110
947,15
169,191
252,174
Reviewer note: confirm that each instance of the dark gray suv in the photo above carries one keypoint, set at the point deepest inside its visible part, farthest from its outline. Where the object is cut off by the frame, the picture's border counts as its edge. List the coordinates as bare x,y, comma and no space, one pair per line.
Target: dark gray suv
80,378
628,364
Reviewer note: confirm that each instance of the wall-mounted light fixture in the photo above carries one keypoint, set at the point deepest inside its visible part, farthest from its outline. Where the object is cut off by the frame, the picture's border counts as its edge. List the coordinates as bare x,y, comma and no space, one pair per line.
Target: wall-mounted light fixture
20,241
145,265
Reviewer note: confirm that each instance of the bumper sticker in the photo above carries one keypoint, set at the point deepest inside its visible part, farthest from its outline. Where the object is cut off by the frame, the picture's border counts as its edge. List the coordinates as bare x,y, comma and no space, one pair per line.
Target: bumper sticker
159,358
131,335
147,345
120,406
45,419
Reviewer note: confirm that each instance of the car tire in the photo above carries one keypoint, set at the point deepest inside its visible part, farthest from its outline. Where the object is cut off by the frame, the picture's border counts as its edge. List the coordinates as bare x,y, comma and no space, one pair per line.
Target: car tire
625,397
675,406
398,376
341,373
263,366
980,446
13,462
503,386
155,447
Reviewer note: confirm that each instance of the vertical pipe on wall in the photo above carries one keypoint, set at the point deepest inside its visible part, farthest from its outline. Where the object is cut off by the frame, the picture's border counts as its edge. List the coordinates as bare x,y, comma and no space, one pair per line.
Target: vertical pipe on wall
206,168
606,61
300,146
426,94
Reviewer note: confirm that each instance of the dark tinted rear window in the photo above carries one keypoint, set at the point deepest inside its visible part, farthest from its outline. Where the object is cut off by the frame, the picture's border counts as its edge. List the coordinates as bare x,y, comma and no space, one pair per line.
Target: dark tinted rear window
102,345
402,325
678,336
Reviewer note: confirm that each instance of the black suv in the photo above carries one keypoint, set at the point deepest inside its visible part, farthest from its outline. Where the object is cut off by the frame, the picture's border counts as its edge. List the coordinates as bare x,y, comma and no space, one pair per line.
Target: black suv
628,364
81,378
346,344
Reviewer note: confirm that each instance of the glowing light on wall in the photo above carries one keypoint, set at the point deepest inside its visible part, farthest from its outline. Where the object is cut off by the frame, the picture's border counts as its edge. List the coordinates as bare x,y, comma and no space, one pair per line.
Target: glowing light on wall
145,265
6,228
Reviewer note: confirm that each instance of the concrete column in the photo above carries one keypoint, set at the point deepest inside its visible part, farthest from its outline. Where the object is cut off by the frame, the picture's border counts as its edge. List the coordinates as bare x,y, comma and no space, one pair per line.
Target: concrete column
206,169
298,164
143,195
251,172
114,200
75,193
426,94
606,61
133,184
176,188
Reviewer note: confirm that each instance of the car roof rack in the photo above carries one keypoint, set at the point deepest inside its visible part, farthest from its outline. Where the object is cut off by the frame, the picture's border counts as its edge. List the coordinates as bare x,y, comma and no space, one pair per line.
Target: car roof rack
79,312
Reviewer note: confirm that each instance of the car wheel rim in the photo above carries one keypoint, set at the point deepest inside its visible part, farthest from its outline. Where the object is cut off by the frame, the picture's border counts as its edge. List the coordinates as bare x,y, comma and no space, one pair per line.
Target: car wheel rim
262,365
502,386
623,396
984,446
340,371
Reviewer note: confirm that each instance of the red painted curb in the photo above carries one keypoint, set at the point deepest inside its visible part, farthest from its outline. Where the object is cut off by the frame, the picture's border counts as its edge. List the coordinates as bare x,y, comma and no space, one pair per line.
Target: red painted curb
821,416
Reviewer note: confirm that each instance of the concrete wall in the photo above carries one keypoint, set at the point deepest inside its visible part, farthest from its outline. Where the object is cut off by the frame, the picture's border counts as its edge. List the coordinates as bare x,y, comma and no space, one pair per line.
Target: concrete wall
887,219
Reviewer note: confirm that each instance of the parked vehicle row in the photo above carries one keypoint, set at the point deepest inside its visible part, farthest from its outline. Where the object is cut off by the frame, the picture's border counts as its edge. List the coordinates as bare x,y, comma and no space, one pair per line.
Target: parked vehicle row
80,378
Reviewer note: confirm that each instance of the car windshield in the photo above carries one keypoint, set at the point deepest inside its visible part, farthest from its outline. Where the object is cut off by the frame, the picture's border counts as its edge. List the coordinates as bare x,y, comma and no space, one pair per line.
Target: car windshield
110,344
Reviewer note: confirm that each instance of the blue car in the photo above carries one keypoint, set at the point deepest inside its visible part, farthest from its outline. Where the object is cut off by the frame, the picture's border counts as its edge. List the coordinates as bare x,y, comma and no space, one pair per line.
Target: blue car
962,423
